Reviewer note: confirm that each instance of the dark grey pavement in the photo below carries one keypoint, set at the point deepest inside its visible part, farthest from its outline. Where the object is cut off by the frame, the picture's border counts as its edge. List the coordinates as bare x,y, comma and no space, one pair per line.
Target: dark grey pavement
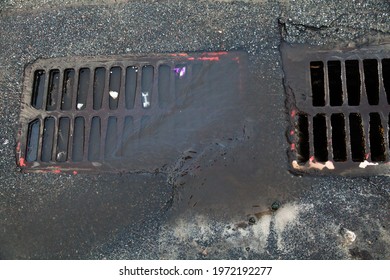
206,214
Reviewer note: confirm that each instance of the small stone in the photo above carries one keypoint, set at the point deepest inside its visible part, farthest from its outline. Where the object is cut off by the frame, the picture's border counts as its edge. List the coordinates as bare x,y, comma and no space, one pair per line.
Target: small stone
252,220
348,235
275,206
247,249
114,94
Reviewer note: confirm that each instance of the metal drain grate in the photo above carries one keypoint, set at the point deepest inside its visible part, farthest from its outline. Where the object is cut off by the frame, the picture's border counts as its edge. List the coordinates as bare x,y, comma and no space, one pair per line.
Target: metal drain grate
78,113
339,104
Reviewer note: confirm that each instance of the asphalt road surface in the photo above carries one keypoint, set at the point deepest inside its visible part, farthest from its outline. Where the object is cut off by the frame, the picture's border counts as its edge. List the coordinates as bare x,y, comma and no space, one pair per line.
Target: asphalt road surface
224,209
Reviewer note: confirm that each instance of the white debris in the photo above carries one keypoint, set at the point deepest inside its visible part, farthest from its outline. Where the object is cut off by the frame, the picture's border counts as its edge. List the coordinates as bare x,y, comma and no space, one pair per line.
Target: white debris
146,102
312,164
366,163
348,235
61,155
6,141
80,105
114,94
329,165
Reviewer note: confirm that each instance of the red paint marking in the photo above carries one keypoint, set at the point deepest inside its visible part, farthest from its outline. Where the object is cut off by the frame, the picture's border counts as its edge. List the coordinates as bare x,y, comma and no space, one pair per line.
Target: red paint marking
292,132
179,54
22,162
213,58
293,147
312,158
293,113
18,148
367,155
191,58
75,172
214,53
56,171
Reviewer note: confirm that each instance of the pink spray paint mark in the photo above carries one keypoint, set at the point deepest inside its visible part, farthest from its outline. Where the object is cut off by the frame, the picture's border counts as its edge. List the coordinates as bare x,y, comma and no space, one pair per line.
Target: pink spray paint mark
214,53
293,113
213,58
22,162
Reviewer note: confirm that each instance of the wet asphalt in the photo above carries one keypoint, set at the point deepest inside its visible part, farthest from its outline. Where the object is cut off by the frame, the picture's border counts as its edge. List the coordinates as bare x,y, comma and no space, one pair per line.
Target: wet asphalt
224,210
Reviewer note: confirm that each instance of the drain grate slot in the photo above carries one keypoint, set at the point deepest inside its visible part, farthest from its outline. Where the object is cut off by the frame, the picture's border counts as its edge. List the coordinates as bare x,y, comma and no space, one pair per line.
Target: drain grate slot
78,139
386,77
54,81
63,139
68,88
38,89
377,145
371,80
338,137
111,138
33,141
303,140
147,85
131,86
164,82
48,139
353,82
320,138
357,137
83,88
128,133
339,107
115,85
180,82
98,87
94,140
335,84
317,83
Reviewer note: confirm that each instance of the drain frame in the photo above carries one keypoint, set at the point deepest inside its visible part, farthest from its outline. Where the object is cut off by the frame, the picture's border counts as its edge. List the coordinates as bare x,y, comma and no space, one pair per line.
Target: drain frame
68,71
310,87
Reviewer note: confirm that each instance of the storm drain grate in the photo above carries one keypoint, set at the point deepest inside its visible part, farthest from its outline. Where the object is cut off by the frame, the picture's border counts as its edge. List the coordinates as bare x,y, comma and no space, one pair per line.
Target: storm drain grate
339,105
79,112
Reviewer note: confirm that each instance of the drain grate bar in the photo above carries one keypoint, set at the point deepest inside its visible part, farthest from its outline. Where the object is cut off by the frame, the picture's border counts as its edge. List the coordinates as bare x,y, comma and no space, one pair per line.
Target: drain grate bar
339,103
